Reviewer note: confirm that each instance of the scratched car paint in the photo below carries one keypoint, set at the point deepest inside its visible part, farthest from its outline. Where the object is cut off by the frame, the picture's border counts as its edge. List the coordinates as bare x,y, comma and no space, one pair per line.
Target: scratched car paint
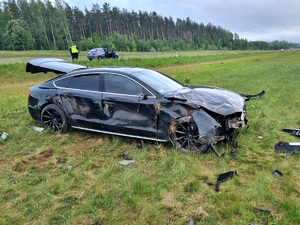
134,102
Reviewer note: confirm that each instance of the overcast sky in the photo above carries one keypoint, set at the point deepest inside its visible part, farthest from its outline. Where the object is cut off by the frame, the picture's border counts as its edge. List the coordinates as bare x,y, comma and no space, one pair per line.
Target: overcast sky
264,20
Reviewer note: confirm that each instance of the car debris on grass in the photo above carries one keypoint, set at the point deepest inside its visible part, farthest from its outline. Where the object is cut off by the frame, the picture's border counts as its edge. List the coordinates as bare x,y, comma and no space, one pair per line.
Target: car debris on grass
287,147
224,177
37,129
4,136
277,173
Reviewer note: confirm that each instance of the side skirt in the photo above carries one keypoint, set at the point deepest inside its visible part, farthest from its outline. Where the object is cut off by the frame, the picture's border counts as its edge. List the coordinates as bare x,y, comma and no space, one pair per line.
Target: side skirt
120,134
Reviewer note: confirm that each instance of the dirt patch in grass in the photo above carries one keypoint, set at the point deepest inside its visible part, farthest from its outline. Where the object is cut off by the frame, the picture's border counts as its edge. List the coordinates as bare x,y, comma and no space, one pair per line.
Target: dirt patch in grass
169,201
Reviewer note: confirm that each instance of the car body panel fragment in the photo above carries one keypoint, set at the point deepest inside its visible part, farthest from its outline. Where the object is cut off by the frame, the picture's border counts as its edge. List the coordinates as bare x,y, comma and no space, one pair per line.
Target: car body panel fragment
295,132
224,177
248,96
277,173
287,147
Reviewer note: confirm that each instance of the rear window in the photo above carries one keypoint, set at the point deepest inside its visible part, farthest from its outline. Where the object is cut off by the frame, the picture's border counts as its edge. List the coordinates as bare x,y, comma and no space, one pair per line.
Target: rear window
101,50
85,82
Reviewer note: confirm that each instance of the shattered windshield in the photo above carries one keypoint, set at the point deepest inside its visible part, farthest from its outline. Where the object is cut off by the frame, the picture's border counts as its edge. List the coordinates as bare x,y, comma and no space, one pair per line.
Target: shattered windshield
159,82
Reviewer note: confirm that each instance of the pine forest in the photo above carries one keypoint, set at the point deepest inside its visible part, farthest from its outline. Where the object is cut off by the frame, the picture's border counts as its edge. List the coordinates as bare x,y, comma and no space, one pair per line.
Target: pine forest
46,25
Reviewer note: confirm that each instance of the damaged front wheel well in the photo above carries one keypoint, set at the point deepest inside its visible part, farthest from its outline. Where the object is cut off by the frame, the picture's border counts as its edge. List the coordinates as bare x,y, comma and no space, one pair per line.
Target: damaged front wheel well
184,135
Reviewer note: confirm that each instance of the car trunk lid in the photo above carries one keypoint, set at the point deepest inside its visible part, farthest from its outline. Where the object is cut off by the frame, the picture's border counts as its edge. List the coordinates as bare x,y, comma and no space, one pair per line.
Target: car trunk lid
55,65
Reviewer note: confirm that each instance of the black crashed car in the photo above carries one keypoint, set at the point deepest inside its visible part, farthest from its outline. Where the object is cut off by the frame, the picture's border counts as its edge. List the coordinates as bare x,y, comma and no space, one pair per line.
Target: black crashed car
102,53
134,102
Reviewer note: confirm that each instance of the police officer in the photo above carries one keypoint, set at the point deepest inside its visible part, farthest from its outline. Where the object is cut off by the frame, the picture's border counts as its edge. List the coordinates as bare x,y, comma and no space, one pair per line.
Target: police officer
74,51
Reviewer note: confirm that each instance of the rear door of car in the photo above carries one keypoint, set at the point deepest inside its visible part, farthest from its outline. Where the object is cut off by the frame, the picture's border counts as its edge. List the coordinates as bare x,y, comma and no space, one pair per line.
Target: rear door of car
81,99
128,107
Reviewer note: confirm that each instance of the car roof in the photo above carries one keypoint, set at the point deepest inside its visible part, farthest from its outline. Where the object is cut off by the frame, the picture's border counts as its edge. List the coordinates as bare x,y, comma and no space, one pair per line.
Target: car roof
113,69
97,49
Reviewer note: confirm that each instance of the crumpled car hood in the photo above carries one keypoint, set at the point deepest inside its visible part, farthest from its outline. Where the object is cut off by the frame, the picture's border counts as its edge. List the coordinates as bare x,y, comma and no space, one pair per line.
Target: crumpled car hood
217,100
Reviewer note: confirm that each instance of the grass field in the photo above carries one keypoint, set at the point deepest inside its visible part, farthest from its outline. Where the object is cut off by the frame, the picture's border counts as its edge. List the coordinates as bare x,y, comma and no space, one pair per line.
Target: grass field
74,178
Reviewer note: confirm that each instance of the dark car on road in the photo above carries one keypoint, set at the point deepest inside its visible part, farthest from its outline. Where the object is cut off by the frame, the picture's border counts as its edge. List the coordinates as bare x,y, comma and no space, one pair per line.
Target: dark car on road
134,102
102,53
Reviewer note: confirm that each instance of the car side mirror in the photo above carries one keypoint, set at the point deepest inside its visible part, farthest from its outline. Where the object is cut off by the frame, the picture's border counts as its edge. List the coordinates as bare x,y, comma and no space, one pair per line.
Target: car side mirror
143,96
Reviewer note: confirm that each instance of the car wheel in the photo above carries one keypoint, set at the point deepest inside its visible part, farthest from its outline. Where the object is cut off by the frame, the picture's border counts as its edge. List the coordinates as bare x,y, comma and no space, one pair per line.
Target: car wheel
100,58
184,135
54,118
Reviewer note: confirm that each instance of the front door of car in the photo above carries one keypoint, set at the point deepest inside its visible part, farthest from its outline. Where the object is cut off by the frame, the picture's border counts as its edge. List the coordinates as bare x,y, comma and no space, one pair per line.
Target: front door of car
128,108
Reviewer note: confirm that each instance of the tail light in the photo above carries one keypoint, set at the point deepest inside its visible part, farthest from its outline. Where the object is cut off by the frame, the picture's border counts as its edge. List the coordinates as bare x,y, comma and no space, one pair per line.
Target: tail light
29,94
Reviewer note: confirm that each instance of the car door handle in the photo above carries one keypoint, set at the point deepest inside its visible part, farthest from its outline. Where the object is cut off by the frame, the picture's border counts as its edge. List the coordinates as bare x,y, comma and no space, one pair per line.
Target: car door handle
109,103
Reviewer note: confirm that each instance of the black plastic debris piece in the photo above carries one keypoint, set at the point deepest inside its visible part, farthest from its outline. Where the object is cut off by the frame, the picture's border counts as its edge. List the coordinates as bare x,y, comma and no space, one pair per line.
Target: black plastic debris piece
224,177
126,157
140,144
233,151
127,160
262,211
295,132
287,147
254,96
277,173
264,215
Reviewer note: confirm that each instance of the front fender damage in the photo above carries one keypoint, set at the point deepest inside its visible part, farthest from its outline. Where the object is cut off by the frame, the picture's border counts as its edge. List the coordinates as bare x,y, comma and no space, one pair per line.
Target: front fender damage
207,127
195,132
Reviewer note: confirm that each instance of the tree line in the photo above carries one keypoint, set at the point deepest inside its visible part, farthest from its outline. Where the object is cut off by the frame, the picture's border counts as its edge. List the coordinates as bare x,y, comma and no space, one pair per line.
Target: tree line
43,25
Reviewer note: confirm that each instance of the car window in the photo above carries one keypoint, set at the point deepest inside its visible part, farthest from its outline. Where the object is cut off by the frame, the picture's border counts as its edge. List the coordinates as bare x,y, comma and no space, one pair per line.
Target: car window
159,82
101,50
92,50
84,82
122,85
63,82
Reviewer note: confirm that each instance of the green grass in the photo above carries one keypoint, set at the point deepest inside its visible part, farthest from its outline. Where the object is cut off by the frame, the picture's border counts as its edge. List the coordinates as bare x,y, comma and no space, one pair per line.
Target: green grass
75,178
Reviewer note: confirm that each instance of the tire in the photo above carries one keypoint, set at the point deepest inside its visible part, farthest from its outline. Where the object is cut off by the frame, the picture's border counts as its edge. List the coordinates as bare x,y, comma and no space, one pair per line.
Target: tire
54,118
184,135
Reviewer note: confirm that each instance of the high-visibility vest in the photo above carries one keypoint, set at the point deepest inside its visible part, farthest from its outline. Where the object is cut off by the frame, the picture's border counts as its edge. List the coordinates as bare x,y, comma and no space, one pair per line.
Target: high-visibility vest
74,49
